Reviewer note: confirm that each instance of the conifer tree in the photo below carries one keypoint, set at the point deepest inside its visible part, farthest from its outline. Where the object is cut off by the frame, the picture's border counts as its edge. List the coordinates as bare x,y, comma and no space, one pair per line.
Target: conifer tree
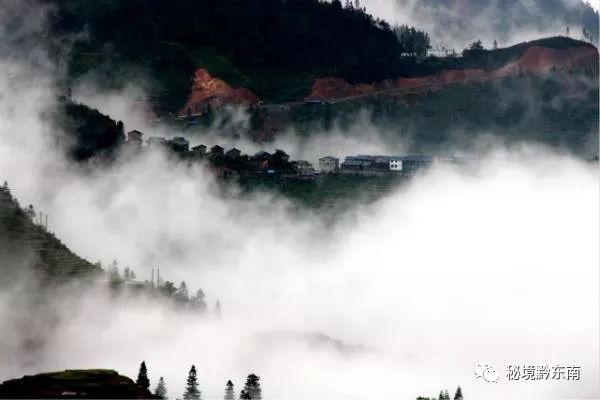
182,293
252,387
191,391
229,393
245,395
142,379
458,395
161,389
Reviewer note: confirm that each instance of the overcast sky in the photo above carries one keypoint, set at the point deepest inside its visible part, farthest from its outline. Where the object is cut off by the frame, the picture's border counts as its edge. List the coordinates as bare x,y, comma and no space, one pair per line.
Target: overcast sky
595,4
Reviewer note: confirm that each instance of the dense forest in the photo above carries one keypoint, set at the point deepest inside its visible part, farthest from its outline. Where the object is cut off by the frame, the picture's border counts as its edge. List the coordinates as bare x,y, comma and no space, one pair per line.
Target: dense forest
88,133
262,44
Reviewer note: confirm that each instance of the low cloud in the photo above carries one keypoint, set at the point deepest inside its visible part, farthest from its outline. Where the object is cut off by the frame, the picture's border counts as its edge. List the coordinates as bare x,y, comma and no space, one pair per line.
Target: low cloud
496,261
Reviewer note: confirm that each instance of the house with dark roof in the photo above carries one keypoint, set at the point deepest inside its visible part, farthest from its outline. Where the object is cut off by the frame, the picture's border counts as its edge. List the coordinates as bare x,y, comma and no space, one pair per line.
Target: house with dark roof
262,156
233,153
216,150
179,144
199,150
135,138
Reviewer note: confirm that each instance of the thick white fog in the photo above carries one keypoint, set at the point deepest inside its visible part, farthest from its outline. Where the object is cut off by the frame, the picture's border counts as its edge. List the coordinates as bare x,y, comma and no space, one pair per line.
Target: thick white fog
497,263
448,28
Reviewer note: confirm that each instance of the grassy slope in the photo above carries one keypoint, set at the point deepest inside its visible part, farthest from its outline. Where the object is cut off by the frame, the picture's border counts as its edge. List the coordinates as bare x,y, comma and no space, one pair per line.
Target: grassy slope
526,108
21,240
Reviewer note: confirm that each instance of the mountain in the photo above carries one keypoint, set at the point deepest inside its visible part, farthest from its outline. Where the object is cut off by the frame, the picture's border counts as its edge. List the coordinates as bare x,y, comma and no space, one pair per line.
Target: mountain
458,22
273,55
272,47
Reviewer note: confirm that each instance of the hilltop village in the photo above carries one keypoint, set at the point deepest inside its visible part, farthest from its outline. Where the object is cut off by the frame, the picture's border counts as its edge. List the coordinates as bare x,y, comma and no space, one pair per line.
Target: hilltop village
233,163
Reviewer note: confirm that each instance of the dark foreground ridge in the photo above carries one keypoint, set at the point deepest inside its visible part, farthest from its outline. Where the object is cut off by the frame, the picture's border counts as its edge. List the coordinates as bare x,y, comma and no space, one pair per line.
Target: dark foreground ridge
69,384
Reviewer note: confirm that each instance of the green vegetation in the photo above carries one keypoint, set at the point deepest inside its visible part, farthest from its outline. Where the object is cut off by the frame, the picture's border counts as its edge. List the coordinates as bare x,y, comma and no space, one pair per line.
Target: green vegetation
27,245
481,58
79,374
262,45
88,132
330,192
520,108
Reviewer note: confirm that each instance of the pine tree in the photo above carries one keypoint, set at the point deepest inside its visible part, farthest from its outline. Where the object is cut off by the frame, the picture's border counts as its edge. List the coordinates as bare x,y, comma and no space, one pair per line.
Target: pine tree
229,393
161,389
458,395
444,395
245,395
252,387
30,211
142,379
182,293
191,391
198,301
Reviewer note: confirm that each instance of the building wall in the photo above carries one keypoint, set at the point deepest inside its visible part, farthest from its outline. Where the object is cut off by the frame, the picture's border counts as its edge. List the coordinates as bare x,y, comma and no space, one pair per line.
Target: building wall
396,165
328,166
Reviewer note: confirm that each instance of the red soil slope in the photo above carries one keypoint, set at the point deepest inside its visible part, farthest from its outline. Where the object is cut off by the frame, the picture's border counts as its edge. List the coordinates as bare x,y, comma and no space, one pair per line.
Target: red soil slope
210,90
535,60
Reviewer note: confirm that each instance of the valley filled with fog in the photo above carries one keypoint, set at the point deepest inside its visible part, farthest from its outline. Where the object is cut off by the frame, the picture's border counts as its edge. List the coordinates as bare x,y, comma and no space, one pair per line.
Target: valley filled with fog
494,260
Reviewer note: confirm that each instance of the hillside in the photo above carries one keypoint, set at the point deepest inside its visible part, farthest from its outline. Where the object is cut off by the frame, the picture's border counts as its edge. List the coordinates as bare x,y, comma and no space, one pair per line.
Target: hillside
69,384
463,21
556,109
274,55
26,245
272,47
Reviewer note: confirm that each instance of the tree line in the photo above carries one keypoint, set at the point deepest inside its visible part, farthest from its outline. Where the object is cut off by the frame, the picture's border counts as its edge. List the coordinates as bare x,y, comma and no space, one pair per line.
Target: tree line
166,289
444,395
251,391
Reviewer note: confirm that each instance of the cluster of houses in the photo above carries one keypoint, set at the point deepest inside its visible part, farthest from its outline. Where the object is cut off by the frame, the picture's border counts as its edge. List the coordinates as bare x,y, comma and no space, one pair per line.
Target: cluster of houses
278,164
379,165
227,163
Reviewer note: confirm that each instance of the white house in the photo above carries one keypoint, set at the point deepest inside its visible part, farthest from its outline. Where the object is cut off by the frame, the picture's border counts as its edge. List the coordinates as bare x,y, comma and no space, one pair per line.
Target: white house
395,164
329,164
